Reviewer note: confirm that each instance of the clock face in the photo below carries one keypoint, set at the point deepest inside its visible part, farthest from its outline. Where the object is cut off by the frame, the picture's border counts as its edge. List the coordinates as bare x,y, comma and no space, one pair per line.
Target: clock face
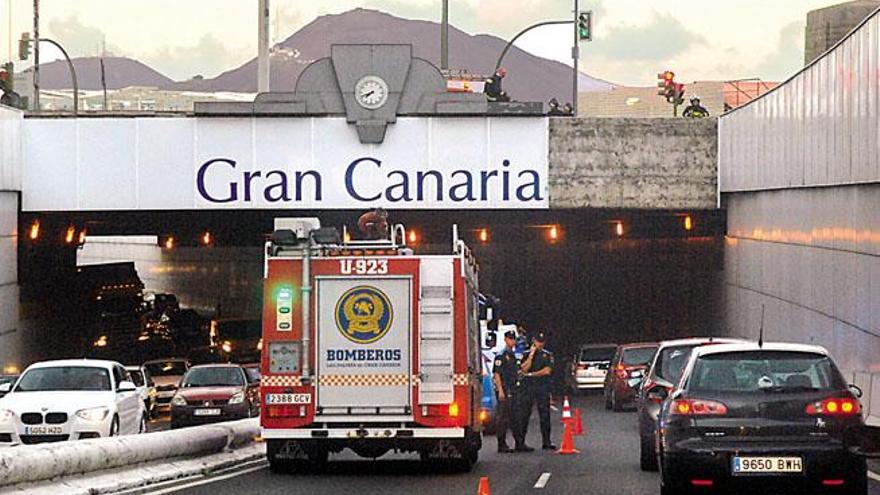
371,92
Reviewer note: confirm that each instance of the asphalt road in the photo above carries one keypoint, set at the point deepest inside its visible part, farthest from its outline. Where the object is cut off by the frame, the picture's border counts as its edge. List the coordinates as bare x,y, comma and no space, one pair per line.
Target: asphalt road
608,464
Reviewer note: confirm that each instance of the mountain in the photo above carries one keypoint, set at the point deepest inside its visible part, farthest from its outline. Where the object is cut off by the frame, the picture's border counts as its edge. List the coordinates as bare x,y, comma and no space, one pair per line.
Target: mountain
529,78
120,72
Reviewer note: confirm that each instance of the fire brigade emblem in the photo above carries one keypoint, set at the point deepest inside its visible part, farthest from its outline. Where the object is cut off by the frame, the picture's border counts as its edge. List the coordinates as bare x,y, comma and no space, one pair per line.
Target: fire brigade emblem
364,314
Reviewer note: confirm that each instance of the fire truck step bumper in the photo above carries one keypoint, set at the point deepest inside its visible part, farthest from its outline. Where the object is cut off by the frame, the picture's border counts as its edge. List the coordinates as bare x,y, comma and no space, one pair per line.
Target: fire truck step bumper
361,433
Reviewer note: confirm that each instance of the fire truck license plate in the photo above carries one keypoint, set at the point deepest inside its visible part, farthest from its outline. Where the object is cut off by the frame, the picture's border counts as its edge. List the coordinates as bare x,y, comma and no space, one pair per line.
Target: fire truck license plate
288,398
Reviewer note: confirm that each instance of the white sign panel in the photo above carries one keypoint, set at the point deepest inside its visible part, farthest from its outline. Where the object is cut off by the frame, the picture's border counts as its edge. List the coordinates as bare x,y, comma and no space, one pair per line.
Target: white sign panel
283,163
364,342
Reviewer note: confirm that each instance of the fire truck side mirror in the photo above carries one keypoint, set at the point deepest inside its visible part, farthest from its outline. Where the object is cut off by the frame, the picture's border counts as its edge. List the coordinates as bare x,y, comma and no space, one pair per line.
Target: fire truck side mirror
284,237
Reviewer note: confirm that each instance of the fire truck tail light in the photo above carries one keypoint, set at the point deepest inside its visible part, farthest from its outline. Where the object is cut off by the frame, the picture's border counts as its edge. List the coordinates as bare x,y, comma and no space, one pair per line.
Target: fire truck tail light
453,410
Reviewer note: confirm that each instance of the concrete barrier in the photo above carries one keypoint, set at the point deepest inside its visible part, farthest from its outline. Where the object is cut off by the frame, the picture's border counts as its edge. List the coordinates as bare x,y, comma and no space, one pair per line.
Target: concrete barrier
47,461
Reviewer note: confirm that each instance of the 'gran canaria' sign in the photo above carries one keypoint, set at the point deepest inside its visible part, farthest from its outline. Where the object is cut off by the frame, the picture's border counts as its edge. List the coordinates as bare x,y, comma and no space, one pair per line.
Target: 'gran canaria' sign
364,314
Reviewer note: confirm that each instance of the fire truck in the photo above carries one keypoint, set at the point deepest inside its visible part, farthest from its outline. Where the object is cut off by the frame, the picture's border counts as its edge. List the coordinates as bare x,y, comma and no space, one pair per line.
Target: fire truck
368,346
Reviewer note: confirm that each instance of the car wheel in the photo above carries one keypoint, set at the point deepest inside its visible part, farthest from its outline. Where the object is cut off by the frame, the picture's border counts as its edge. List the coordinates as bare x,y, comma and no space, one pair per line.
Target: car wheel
142,428
858,484
277,465
668,486
647,455
114,427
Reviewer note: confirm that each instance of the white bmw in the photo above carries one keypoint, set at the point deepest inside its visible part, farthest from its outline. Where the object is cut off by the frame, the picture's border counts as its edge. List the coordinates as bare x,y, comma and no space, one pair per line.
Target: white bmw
55,401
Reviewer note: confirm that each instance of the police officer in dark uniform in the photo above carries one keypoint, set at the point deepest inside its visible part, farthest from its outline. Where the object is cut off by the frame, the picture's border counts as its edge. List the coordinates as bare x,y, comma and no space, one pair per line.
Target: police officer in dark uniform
537,368
505,375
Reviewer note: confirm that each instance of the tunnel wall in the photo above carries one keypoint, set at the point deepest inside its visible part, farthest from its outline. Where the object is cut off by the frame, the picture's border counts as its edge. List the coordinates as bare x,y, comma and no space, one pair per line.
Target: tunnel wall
633,163
800,177
10,191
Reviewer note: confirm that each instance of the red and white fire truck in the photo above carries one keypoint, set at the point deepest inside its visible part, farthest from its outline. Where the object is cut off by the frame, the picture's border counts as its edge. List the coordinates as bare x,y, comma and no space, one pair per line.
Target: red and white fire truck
368,346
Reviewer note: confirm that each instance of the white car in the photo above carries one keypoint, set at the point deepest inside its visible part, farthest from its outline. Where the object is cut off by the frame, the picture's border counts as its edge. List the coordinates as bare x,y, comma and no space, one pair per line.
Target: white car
55,401
146,387
166,373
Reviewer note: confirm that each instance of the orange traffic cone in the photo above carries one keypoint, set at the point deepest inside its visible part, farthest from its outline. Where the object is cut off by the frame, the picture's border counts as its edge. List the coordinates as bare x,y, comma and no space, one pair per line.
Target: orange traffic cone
568,441
484,486
566,410
578,425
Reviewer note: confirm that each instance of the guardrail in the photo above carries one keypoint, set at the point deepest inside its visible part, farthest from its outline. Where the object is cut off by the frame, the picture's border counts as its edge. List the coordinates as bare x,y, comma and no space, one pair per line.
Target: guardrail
30,463
870,385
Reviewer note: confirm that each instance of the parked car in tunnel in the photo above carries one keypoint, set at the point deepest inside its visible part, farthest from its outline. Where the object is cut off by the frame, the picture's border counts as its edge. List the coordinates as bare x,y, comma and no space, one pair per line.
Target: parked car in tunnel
166,373
628,367
54,401
663,374
590,366
146,388
775,416
214,392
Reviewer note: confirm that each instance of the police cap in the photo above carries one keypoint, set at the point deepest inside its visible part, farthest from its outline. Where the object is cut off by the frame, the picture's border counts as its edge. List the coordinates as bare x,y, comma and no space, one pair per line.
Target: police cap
510,334
539,337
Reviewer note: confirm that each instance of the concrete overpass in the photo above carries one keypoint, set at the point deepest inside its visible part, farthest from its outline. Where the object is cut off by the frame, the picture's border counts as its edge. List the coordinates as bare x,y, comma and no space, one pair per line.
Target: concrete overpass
418,149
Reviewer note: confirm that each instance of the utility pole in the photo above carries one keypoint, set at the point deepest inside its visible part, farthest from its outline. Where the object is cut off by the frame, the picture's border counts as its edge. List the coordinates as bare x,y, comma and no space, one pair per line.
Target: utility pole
575,55
444,37
36,55
263,48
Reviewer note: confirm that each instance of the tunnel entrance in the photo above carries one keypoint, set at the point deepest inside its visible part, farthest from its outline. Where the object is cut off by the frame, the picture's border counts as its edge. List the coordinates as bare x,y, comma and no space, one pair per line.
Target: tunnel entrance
582,276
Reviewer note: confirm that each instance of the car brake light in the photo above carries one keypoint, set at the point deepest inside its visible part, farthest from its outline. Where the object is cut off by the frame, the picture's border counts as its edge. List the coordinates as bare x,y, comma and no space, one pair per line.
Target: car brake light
833,482
834,407
702,482
697,407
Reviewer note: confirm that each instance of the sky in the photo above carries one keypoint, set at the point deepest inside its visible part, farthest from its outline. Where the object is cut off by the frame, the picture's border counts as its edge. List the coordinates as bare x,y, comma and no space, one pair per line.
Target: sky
633,40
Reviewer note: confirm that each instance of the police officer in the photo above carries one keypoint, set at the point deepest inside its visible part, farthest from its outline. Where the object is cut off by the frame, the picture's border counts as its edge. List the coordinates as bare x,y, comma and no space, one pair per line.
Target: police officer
537,369
505,377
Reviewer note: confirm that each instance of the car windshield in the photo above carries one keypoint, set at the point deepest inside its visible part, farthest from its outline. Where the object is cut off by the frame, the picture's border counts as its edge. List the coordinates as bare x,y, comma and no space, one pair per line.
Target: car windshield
137,377
671,361
225,376
638,356
597,354
65,378
166,368
765,372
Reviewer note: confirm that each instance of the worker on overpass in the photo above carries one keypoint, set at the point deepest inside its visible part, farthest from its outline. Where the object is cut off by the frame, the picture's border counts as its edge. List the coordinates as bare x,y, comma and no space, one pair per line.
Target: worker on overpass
493,86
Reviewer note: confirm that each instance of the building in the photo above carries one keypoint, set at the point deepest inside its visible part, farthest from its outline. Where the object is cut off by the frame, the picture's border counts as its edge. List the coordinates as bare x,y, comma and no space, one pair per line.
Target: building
826,27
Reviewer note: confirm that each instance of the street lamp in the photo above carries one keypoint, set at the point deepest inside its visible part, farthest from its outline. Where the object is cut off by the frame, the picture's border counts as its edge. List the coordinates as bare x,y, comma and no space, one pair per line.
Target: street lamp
23,55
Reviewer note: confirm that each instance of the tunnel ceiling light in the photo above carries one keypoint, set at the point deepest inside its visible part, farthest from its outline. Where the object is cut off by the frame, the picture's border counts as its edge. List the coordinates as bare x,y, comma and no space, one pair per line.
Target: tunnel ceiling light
207,239
70,235
169,242
346,237
82,237
553,233
618,228
484,235
413,237
34,232
688,223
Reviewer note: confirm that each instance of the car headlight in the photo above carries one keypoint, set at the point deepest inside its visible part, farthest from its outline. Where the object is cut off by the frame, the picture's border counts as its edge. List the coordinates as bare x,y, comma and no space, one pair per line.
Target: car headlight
238,398
6,416
178,400
94,414
227,347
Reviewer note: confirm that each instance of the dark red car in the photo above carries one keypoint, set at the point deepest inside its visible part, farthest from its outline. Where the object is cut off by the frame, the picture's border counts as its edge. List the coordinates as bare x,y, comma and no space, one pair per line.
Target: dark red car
625,375
212,393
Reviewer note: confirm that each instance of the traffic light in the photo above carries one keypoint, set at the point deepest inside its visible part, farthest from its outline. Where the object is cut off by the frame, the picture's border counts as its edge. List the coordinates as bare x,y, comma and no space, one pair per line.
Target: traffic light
24,46
678,94
585,25
666,84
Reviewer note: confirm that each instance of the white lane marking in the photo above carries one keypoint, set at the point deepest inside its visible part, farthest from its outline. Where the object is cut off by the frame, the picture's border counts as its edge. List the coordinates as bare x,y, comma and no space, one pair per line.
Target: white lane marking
542,480
874,476
208,480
